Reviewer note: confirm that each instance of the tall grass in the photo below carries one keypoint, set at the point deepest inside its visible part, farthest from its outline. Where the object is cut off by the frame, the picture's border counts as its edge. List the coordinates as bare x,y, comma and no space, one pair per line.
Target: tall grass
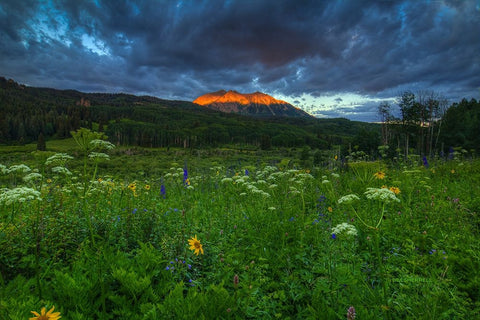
277,242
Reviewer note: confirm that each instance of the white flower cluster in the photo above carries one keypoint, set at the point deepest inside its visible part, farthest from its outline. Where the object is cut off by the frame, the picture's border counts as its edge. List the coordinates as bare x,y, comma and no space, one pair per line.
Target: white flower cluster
98,155
381,194
98,144
19,168
21,194
344,228
31,177
349,198
58,159
61,170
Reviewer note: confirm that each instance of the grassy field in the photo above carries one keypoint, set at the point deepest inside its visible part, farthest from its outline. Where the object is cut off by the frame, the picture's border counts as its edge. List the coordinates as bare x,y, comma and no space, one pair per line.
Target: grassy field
235,234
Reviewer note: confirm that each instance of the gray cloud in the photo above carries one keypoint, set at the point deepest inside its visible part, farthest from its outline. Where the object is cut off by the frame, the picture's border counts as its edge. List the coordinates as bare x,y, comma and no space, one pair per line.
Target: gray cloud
180,50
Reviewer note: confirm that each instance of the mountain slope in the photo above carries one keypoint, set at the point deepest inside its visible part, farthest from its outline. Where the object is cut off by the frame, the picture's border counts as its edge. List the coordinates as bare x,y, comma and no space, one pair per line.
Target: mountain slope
256,104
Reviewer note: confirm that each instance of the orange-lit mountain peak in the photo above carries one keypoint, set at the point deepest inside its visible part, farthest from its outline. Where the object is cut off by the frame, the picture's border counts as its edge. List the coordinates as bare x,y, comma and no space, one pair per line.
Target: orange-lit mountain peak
209,97
262,98
232,96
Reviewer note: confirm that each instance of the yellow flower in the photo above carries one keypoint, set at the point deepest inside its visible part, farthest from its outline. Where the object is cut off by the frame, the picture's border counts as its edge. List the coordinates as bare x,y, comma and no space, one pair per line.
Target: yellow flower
132,186
187,182
330,209
336,158
49,180
384,187
195,245
147,187
395,190
453,171
379,175
50,315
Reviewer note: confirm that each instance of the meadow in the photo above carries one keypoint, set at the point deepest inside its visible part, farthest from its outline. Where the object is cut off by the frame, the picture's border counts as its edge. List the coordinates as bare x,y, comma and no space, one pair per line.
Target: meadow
99,233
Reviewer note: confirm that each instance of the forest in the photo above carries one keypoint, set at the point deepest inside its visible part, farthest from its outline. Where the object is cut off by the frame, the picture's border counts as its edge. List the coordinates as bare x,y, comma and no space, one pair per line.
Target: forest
421,123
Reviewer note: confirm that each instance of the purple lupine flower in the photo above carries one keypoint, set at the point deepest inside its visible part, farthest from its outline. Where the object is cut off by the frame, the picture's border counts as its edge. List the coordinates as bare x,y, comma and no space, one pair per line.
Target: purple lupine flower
163,191
185,174
246,172
425,162
334,236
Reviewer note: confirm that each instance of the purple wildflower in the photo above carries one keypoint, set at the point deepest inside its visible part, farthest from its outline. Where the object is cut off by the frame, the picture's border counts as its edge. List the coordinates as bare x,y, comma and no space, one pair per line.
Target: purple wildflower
334,236
425,162
185,174
351,313
163,191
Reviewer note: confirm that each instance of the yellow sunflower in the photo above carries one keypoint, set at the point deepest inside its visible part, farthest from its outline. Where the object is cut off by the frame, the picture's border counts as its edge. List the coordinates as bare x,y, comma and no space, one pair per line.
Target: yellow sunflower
195,245
147,187
43,315
379,175
395,190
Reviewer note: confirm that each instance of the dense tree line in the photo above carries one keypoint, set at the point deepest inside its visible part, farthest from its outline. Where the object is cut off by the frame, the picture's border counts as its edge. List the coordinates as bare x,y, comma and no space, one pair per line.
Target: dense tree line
424,124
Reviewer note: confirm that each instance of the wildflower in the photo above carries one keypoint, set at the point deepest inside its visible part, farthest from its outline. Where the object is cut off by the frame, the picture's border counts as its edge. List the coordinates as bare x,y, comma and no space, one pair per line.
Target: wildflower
334,236
246,172
394,190
147,187
19,168
235,280
351,314
32,176
385,195
43,315
163,191
99,156
20,194
330,209
336,157
58,159
452,171
344,228
425,162
185,175
101,144
61,170
195,245
132,186
349,198
379,175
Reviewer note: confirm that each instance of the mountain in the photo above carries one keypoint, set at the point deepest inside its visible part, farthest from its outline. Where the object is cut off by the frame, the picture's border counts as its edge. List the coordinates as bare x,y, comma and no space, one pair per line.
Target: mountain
256,104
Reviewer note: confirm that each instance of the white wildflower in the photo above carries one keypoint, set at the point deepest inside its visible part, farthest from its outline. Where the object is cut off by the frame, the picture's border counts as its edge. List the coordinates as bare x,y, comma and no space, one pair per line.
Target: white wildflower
32,177
272,208
344,228
381,194
225,180
3,169
273,186
61,170
58,159
21,194
99,155
335,175
19,168
101,145
349,198
325,181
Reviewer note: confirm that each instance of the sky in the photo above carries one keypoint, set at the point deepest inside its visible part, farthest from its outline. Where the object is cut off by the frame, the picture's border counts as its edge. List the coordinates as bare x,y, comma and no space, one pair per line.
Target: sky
331,58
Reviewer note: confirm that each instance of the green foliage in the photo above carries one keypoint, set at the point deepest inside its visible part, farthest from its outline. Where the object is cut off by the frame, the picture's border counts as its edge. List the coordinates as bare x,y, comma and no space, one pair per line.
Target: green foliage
279,241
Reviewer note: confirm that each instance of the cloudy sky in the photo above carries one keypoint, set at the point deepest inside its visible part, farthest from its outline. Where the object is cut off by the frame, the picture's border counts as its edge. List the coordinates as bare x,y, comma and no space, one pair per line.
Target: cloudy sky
331,58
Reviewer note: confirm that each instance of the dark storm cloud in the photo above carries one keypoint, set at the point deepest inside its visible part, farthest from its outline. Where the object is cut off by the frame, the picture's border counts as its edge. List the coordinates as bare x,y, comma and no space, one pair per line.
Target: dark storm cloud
182,49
